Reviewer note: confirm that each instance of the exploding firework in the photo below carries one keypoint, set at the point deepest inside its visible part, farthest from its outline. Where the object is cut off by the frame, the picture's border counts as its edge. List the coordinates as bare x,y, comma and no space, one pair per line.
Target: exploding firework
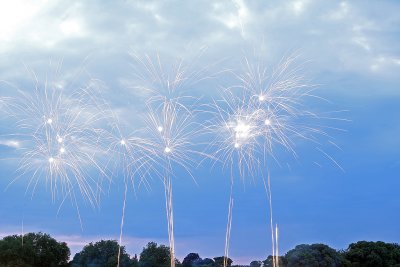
171,132
60,142
65,144
130,156
266,111
170,128
161,82
235,143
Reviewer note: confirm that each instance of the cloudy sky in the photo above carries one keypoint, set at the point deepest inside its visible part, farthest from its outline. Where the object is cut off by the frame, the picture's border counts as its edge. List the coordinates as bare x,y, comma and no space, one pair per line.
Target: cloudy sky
352,54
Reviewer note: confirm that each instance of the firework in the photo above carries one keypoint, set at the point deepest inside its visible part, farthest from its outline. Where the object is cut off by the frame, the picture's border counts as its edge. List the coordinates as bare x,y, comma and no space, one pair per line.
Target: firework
171,130
60,142
170,127
265,111
235,142
130,156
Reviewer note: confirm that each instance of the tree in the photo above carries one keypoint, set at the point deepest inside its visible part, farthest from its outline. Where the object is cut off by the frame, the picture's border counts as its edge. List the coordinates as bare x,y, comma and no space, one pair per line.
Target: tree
103,253
206,262
153,255
374,254
269,262
256,264
190,259
33,249
194,260
318,255
219,261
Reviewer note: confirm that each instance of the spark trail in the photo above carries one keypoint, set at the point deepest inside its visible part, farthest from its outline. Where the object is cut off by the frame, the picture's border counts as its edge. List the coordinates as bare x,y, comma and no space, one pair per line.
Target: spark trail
170,123
267,110
60,144
131,157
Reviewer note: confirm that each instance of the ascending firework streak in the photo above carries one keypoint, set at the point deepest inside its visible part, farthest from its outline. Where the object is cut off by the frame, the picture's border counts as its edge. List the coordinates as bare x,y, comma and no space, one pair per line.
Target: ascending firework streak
170,123
267,112
59,140
171,129
128,157
235,130
274,234
132,156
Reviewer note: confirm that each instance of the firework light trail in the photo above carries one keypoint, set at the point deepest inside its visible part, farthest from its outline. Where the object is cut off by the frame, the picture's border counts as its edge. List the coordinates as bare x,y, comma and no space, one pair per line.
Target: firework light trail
170,127
234,144
65,144
131,156
252,120
59,137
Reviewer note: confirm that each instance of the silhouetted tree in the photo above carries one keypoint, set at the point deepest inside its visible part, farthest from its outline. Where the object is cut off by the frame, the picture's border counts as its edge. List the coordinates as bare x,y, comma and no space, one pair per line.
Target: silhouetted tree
103,253
315,255
373,254
206,262
34,249
256,264
190,259
219,261
269,262
153,255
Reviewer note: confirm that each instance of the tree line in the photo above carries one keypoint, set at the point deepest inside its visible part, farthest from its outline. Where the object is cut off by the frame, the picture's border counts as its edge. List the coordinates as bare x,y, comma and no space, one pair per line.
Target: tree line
41,250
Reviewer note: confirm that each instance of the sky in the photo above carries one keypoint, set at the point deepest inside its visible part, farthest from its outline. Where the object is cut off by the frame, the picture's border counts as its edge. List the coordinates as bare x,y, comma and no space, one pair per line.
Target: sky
350,53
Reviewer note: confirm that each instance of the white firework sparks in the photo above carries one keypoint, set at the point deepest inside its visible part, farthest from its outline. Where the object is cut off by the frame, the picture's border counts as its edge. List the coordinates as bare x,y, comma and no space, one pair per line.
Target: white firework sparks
131,156
60,141
269,111
170,122
171,131
236,133
160,82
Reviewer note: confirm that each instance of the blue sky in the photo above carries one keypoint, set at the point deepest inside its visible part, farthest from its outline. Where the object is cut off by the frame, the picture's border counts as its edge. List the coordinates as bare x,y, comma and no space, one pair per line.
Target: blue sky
352,53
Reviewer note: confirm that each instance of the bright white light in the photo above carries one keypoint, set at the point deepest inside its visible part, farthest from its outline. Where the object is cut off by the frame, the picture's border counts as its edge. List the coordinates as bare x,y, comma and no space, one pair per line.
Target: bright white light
267,122
71,27
167,150
160,128
62,150
123,142
10,143
59,140
236,145
15,14
51,159
242,130
49,121
261,97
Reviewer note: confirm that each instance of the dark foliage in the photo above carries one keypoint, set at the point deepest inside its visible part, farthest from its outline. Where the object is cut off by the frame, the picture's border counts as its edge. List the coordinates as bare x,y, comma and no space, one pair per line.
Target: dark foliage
31,250
373,254
103,253
153,255
194,260
191,259
256,264
219,261
315,255
38,249
282,262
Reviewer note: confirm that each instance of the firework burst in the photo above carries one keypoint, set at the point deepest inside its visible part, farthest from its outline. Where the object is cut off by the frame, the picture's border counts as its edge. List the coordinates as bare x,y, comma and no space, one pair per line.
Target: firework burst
130,156
265,111
60,141
170,128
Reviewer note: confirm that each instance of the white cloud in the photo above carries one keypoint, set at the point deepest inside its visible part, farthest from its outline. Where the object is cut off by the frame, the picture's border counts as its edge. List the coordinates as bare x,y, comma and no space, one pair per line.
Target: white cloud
340,12
298,6
10,143
16,14
72,27
343,36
